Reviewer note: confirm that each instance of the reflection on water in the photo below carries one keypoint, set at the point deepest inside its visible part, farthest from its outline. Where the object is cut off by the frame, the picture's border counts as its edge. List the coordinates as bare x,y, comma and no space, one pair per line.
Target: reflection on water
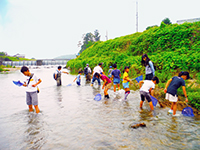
70,118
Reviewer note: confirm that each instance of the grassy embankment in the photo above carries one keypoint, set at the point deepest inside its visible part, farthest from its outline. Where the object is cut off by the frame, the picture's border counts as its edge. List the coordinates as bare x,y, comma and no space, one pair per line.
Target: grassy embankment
172,48
4,68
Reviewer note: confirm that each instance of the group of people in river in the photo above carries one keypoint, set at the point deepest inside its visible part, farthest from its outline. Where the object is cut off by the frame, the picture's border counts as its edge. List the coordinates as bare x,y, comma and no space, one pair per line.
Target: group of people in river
146,86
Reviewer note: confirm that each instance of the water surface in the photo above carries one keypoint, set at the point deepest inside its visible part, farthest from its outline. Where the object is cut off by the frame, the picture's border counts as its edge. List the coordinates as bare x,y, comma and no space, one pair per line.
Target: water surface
71,119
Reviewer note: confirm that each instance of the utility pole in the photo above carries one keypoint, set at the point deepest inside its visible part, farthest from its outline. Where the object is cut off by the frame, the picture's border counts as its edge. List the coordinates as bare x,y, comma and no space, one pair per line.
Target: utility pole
106,36
136,16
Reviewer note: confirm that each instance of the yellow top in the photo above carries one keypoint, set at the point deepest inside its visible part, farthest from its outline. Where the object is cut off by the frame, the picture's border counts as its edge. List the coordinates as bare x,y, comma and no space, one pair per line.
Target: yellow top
125,76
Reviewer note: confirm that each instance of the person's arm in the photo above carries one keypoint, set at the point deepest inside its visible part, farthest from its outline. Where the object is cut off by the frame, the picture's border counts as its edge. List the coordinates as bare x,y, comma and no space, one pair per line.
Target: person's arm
103,73
140,83
104,83
65,72
24,84
39,81
168,82
151,91
75,79
184,91
152,67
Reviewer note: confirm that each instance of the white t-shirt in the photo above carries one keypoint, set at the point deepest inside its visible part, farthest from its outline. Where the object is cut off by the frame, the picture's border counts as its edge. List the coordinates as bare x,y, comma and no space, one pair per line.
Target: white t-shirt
97,69
33,81
147,85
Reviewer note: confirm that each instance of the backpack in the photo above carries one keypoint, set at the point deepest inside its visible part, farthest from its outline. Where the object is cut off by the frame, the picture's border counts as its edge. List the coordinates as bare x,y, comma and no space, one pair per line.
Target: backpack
55,76
85,70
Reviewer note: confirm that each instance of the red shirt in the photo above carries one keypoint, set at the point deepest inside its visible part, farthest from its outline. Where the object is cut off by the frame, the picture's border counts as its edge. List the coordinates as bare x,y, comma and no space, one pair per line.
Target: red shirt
103,77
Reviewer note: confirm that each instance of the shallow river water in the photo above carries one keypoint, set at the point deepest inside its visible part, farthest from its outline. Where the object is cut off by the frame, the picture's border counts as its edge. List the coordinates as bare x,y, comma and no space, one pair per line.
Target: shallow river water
71,119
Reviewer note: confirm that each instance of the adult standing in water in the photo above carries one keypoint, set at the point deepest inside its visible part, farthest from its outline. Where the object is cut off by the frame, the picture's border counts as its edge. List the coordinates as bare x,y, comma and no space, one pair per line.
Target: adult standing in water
149,68
58,75
99,70
87,72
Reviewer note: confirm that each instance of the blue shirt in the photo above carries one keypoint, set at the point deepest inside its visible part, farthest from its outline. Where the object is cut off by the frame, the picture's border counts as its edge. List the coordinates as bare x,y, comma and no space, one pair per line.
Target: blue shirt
174,85
78,78
116,73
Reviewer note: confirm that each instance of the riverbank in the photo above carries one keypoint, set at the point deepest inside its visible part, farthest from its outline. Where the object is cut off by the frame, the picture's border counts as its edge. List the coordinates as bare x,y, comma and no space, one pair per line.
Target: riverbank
8,68
171,48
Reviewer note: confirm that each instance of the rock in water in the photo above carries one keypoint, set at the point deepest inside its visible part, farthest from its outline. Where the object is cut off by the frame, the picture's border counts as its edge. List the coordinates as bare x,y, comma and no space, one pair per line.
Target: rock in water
135,126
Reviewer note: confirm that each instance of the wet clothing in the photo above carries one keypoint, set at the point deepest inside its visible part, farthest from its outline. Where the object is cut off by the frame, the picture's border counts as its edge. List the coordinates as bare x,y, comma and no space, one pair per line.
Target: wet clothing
175,84
150,71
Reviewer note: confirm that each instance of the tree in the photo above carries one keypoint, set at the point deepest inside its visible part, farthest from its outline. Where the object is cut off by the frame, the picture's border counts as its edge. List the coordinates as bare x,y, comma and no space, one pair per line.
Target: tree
88,40
149,27
167,21
96,35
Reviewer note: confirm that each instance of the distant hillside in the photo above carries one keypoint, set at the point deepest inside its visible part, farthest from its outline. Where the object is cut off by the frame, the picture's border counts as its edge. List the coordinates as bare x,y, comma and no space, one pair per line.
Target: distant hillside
72,56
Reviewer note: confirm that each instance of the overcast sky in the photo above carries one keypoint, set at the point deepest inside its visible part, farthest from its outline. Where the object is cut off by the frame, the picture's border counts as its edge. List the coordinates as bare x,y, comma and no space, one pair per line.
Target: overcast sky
51,28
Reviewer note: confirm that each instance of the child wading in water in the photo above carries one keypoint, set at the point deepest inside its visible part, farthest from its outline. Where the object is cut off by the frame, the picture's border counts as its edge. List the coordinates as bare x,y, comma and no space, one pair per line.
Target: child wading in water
31,93
78,79
126,81
110,72
171,90
145,89
106,85
116,74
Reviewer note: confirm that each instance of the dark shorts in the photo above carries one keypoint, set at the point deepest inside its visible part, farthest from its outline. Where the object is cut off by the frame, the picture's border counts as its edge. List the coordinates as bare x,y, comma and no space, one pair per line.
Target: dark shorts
149,76
144,95
78,83
31,98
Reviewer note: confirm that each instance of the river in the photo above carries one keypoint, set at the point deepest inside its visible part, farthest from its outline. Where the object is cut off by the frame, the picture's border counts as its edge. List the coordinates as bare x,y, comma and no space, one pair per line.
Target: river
71,119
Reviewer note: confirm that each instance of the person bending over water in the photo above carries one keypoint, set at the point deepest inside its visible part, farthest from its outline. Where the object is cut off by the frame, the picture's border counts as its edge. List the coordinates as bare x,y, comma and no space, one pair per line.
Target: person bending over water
171,90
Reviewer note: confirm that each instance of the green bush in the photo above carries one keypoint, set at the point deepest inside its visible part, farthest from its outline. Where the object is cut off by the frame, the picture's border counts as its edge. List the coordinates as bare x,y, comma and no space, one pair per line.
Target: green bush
172,48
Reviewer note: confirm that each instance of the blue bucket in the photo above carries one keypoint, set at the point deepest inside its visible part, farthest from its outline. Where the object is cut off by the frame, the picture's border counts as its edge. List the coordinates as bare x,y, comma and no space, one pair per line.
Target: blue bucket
188,112
97,97
154,101
140,78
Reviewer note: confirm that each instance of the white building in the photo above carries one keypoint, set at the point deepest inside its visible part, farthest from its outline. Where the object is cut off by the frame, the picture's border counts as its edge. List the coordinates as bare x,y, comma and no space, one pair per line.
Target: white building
188,20
19,55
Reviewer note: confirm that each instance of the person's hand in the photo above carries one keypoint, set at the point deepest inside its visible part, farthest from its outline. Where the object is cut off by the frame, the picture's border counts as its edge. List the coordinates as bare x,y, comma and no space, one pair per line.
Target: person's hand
165,90
102,87
34,85
186,99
